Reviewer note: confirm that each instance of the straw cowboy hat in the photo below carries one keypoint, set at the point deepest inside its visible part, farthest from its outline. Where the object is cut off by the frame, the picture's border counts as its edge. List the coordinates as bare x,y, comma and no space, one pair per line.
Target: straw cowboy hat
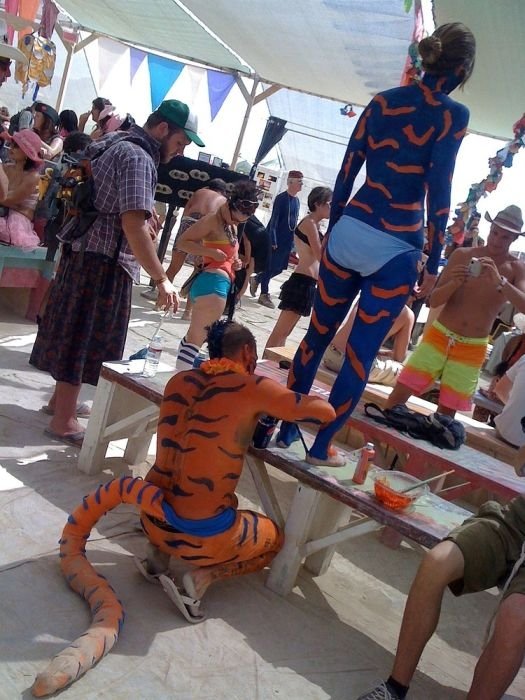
509,218
6,50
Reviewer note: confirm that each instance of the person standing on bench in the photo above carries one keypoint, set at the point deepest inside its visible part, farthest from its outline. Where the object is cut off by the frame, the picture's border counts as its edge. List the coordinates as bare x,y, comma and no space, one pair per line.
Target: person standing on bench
487,550
207,419
409,137
474,285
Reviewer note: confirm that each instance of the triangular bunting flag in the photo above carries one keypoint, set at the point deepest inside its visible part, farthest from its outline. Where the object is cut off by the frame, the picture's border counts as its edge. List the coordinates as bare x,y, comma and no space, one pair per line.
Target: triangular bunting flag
109,54
135,59
163,73
219,86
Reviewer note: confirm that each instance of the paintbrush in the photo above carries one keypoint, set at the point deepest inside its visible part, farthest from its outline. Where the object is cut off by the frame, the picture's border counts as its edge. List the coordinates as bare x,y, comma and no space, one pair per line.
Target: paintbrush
427,481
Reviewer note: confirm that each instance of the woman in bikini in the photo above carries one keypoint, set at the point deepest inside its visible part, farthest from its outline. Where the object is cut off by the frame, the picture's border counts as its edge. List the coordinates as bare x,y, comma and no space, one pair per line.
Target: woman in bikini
214,237
297,293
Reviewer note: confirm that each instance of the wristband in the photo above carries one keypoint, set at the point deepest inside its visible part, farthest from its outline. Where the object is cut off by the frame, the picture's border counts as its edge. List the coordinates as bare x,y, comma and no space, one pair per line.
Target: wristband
160,281
503,281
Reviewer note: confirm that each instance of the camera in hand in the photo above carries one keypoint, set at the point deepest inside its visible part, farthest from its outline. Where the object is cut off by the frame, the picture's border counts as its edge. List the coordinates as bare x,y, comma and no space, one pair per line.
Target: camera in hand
474,267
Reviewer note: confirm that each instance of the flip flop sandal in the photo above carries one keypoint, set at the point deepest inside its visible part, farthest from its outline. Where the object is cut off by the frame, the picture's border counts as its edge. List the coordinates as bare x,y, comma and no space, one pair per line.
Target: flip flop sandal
142,566
74,439
83,410
188,606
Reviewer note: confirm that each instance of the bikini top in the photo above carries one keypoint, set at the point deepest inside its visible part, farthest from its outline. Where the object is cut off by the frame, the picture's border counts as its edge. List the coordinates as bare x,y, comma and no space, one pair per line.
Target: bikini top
304,238
225,265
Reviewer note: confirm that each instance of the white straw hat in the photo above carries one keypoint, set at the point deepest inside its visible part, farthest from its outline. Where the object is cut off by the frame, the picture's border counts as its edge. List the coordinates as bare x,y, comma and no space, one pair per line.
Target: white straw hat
6,50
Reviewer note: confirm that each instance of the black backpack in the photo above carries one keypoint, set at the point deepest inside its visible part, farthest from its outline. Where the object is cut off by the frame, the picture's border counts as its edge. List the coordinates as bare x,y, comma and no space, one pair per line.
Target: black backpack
437,428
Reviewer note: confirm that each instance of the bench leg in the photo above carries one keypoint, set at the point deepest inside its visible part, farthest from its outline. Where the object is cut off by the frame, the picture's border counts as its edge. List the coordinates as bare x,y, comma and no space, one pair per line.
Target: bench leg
137,448
286,565
91,457
330,516
265,490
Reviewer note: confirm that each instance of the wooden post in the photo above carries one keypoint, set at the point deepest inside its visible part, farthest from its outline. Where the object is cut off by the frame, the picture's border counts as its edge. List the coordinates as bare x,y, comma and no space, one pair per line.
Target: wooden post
250,102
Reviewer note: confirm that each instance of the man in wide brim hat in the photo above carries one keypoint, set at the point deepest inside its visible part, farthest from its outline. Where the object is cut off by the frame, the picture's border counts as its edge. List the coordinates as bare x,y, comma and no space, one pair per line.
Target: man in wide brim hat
509,219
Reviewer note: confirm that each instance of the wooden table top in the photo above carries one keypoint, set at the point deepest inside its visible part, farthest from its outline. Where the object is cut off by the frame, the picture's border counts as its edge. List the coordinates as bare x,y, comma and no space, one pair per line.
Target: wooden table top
427,521
481,470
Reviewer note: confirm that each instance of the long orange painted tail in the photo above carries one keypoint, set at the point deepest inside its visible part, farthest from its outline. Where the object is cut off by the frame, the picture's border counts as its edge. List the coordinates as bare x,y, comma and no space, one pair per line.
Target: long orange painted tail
107,610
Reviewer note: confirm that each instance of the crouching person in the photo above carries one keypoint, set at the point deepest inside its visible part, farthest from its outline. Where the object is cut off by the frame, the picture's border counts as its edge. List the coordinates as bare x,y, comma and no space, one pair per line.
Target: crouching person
207,419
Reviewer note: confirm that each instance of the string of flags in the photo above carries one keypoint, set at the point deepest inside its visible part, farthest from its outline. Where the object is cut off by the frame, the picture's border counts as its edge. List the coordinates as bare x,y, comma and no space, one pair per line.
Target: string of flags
466,213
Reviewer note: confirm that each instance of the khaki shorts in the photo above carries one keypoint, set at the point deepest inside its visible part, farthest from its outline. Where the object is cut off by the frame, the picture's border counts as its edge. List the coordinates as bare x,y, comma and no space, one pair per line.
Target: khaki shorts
491,543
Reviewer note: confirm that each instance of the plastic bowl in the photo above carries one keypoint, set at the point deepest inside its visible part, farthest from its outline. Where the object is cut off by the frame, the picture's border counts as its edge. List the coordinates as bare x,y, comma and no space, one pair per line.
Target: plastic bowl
389,485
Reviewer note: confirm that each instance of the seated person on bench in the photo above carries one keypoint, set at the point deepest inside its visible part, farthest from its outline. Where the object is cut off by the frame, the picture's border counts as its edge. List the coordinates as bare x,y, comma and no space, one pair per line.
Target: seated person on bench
510,423
387,364
206,423
19,191
486,550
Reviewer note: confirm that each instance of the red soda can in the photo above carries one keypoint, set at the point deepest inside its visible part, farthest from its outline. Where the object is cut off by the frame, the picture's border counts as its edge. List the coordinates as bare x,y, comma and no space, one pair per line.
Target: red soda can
263,432
364,463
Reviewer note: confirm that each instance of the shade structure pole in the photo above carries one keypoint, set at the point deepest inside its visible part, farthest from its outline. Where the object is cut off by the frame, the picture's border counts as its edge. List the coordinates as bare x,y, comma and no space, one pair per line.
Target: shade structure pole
65,78
250,99
71,51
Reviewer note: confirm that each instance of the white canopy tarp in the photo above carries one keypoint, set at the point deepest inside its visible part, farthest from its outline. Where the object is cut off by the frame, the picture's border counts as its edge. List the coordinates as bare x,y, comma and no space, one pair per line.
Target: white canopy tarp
341,49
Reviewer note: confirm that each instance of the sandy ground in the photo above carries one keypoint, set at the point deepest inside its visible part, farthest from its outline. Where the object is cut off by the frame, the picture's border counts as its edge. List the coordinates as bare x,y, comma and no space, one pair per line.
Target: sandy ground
332,637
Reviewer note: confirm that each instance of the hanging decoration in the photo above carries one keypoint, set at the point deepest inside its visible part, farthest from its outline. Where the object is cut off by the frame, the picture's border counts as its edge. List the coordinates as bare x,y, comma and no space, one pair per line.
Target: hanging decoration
219,86
41,56
413,71
347,111
466,213
163,74
112,57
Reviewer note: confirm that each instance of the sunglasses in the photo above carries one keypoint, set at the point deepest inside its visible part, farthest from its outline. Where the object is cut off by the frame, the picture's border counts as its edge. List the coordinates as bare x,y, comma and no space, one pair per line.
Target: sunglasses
245,206
5,62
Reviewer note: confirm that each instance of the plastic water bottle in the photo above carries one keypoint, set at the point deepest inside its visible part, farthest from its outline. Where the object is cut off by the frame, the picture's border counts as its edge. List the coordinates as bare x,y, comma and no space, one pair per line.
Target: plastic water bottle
151,363
364,463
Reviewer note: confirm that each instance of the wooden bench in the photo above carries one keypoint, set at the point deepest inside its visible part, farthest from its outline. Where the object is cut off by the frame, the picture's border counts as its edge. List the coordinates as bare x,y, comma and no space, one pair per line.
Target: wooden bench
328,508
25,276
478,435
418,457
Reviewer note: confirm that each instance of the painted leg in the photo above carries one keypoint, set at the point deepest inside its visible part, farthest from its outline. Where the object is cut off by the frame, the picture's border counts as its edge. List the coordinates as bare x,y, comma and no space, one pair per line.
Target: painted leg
203,577
383,295
336,290
503,655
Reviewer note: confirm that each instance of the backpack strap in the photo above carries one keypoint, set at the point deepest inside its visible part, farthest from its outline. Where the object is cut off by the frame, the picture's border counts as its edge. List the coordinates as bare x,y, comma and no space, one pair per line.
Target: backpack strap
372,410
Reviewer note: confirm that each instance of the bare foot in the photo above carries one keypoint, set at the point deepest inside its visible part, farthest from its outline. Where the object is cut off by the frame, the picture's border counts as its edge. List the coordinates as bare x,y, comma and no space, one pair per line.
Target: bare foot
65,428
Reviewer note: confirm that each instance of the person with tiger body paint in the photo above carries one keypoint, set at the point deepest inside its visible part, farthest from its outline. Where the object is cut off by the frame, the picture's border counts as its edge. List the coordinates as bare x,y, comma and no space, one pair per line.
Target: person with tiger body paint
187,500
409,137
